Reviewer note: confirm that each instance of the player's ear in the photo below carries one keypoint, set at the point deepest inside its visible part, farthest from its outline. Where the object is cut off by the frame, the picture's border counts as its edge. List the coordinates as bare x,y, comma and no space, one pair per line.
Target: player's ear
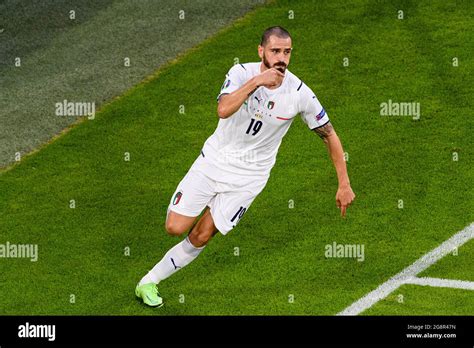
260,51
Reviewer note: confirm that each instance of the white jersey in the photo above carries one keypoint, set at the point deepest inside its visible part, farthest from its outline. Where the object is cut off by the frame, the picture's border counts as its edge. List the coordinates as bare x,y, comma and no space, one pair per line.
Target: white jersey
247,142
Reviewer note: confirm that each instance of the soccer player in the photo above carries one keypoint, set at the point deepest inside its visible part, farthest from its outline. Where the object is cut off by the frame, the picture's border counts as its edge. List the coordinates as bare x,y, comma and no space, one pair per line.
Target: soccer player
256,106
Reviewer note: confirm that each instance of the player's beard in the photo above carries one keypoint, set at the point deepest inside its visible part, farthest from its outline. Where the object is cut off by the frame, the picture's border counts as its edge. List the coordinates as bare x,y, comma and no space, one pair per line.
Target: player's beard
280,66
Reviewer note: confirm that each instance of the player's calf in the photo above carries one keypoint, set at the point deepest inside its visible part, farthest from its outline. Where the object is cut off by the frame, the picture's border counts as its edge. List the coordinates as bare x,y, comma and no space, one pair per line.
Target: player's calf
201,238
178,256
203,231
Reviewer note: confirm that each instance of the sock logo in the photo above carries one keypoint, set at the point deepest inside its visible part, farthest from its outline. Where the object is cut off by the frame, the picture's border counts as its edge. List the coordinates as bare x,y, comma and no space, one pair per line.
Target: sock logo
175,267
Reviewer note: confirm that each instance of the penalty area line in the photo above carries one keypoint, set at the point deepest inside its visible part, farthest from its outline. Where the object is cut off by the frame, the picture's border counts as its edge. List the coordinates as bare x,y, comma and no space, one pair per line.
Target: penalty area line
409,274
442,283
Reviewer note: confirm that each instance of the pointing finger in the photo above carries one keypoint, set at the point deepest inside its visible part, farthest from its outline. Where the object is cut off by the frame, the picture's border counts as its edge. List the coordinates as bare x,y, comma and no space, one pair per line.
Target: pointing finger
343,210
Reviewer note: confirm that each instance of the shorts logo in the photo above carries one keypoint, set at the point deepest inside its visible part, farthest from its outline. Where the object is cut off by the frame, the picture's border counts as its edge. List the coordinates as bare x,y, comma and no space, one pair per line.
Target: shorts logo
270,105
320,115
177,197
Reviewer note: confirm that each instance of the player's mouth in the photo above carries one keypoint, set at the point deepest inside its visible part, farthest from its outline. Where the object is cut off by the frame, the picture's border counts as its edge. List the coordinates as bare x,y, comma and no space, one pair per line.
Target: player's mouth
280,68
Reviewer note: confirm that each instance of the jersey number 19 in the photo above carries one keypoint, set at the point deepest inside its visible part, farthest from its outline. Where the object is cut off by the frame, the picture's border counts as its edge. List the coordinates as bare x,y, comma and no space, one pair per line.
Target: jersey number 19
256,127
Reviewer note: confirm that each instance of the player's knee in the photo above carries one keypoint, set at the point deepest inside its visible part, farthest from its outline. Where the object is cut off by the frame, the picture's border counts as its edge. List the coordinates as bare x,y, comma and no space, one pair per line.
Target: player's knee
200,238
199,241
174,229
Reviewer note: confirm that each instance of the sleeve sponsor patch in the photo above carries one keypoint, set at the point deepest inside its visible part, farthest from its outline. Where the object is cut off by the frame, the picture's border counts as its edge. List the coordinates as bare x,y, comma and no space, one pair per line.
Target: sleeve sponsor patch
225,84
320,115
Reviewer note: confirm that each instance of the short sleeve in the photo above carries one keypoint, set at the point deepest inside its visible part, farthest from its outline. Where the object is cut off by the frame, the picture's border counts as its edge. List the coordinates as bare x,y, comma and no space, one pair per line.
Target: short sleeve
311,110
234,79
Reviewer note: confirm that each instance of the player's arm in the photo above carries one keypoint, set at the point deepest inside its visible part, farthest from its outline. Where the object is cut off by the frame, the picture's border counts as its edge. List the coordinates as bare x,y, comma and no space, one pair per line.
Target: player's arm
344,195
230,103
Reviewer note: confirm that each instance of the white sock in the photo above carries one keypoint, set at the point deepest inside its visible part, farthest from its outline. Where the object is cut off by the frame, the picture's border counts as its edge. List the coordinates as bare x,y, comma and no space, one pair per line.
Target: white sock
176,258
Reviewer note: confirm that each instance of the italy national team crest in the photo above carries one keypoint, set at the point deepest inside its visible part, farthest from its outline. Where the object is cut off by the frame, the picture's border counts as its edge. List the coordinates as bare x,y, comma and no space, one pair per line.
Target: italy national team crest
270,105
177,197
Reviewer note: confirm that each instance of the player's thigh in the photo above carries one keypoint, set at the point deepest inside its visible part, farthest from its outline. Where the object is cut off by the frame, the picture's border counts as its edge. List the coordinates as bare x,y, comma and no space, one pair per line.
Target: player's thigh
177,223
191,196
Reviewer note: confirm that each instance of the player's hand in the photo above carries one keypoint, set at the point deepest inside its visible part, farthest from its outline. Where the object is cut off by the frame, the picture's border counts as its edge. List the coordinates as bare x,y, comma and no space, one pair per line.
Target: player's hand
344,197
270,78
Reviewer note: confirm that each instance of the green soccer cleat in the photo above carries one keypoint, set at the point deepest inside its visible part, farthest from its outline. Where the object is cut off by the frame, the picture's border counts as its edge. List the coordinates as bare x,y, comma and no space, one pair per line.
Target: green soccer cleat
149,294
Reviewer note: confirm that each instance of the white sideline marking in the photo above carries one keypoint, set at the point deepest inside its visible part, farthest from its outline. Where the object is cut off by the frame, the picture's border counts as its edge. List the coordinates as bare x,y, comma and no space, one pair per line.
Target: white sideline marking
410,272
442,283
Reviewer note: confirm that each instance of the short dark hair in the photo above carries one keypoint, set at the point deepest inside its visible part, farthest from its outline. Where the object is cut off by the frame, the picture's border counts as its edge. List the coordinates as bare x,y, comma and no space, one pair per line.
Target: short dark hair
276,30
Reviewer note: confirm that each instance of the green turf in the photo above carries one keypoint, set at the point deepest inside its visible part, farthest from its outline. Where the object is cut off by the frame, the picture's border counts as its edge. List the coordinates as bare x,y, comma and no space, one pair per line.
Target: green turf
123,204
425,300
457,265
83,59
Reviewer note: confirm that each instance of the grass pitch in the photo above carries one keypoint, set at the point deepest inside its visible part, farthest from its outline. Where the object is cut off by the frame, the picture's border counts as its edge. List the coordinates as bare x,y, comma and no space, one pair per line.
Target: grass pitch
281,268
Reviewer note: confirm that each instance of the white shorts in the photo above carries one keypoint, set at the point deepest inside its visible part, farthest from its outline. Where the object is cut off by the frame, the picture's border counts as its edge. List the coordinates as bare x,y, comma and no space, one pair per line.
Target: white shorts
228,195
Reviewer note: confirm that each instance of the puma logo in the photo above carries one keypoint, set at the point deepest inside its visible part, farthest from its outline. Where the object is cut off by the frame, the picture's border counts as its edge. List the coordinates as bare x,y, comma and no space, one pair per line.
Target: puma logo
175,267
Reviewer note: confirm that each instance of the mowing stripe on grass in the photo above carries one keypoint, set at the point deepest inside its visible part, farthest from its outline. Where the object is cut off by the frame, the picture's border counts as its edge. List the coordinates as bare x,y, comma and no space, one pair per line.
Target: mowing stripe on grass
409,273
91,59
442,283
